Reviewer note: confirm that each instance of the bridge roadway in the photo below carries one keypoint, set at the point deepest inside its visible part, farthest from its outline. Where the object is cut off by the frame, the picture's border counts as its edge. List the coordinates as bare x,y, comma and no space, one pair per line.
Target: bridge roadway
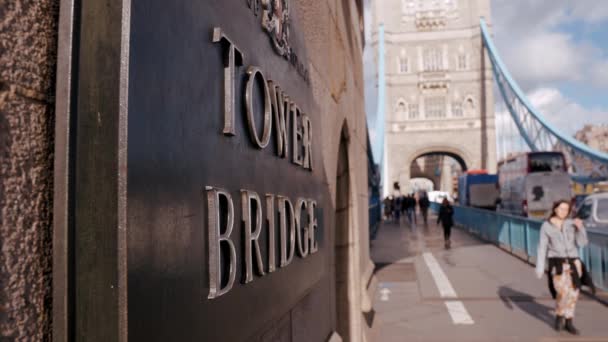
471,292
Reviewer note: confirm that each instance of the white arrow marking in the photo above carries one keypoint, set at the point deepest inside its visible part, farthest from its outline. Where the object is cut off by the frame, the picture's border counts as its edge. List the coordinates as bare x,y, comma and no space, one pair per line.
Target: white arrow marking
384,292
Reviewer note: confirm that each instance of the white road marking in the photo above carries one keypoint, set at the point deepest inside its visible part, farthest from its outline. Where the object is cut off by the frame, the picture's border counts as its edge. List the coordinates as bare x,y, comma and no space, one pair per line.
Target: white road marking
456,308
441,280
458,312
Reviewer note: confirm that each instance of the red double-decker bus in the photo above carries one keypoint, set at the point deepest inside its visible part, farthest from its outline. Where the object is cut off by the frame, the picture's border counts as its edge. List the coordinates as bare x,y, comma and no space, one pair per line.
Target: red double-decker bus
531,182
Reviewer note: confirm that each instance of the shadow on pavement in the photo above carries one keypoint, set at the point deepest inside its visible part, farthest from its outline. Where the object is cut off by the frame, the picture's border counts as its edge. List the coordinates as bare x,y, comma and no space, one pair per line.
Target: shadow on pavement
526,303
393,243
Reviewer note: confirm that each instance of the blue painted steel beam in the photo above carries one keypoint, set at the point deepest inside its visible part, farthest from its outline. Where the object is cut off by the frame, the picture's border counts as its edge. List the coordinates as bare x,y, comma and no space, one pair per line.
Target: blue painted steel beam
499,66
512,110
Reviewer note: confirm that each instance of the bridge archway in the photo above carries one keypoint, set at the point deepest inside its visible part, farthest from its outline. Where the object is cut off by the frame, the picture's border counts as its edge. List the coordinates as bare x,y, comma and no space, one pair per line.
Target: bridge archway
456,154
344,253
413,168
422,183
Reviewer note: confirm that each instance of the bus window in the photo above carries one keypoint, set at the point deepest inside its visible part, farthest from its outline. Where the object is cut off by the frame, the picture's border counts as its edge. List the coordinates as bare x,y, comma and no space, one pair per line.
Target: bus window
546,162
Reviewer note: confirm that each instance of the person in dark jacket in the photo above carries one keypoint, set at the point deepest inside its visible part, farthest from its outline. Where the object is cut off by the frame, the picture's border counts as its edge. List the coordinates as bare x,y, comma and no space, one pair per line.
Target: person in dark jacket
446,213
403,206
424,204
388,210
410,208
397,208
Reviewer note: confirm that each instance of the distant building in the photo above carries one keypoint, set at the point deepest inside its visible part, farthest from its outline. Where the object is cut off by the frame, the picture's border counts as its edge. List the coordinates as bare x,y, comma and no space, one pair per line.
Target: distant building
594,136
437,73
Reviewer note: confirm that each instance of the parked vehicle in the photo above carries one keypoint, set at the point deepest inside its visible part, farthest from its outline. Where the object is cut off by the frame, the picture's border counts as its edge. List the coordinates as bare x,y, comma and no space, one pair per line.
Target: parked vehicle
594,212
531,182
477,188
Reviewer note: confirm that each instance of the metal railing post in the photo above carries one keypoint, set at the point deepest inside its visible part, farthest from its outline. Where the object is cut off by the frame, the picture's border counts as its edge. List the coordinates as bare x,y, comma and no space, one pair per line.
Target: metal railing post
526,242
510,244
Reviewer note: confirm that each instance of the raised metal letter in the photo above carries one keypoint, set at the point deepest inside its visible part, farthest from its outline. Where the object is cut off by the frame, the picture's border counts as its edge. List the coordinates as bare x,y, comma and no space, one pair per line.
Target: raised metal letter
296,134
232,57
252,72
271,233
312,226
280,109
307,141
216,238
251,237
285,206
301,232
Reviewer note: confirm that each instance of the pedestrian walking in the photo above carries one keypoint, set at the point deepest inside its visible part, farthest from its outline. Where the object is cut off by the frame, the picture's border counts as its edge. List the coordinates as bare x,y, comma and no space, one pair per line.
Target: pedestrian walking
424,205
560,239
404,205
413,204
446,217
387,208
404,208
397,208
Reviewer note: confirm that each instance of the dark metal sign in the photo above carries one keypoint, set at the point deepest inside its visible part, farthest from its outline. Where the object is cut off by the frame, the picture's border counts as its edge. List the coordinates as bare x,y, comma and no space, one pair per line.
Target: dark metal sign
199,209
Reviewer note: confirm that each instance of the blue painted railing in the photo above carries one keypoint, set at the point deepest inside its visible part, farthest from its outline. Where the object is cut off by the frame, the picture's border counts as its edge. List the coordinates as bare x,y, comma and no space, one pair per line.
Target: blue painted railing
375,216
520,235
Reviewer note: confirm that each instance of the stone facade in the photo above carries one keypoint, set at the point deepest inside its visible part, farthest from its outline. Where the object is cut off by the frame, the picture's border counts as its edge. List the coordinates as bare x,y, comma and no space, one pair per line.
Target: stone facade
334,33
596,137
438,83
28,32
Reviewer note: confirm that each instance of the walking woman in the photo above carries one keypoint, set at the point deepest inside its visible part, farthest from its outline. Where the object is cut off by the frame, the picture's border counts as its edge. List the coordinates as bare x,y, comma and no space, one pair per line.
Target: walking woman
560,239
446,213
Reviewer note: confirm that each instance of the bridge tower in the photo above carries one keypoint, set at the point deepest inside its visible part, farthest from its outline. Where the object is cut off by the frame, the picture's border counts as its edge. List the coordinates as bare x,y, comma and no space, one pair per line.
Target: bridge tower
439,97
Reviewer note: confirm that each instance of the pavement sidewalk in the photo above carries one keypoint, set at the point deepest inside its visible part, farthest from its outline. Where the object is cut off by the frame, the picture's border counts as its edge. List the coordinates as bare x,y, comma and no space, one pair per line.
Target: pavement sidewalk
471,292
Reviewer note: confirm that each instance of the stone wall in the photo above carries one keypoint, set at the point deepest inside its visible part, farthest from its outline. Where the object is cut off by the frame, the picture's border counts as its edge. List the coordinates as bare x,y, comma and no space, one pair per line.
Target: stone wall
28,36
333,34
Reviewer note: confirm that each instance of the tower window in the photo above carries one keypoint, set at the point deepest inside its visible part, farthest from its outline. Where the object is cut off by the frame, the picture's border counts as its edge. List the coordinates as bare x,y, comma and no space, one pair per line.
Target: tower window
413,111
434,107
433,59
462,62
401,111
403,65
457,109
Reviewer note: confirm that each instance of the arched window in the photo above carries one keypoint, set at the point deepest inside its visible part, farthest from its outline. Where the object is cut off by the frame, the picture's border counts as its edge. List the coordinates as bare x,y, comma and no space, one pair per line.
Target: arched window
469,106
401,110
